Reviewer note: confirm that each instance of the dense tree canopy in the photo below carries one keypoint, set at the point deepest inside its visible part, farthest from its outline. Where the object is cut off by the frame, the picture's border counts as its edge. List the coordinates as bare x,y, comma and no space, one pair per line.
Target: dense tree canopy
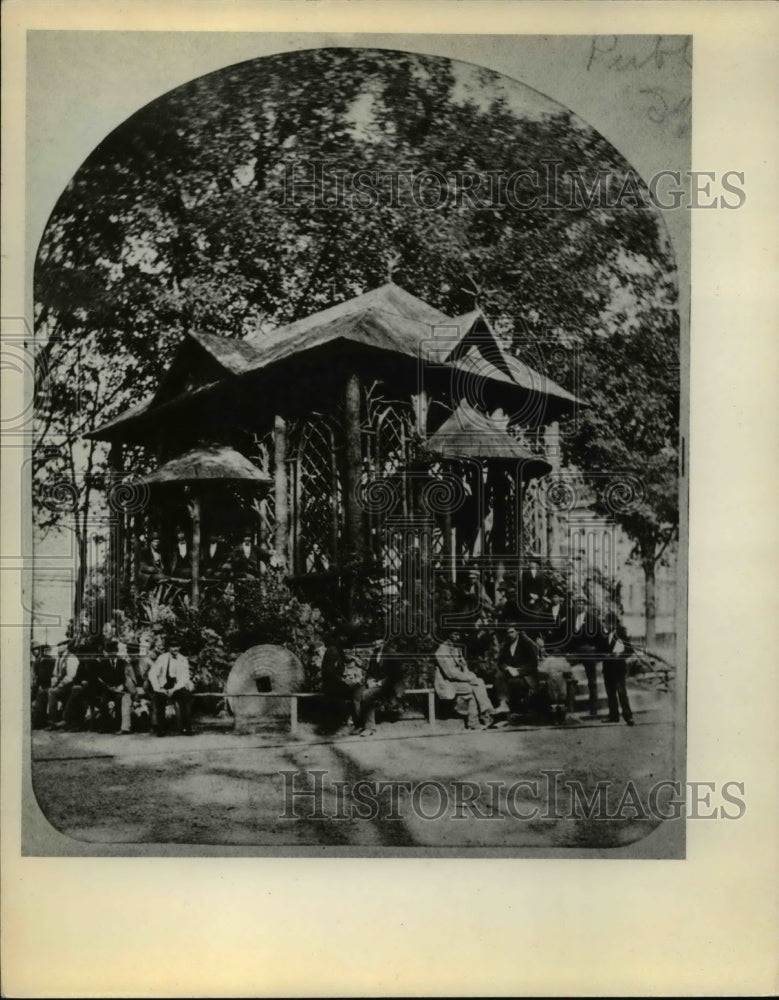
185,218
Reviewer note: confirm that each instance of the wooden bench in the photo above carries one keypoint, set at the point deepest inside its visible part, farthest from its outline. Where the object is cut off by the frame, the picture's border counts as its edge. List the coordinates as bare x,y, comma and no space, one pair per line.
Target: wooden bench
295,696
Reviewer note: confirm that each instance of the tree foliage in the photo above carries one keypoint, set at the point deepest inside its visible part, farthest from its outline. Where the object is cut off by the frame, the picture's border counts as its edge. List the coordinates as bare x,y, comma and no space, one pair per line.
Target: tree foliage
182,219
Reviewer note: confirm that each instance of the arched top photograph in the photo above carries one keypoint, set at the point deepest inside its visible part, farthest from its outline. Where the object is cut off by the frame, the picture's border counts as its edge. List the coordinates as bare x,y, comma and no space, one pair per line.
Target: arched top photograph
361,415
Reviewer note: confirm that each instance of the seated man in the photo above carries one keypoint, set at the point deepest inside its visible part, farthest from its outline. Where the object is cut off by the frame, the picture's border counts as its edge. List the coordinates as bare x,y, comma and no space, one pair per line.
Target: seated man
134,694
62,684
170,682
517,677
343,677
384,682
109,684
453,678
42,670
216,558
245,559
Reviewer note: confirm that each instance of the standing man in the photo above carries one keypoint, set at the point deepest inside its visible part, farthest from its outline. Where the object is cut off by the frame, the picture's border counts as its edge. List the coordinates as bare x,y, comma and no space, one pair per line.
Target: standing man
170,682
586,645
452,678
615,670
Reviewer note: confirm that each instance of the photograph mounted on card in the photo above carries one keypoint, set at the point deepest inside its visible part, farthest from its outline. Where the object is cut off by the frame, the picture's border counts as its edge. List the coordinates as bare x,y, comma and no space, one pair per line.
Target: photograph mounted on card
358,460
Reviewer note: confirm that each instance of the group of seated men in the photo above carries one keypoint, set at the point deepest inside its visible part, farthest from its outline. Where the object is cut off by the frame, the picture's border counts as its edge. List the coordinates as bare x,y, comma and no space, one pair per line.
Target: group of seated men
218,559
98,685
575,634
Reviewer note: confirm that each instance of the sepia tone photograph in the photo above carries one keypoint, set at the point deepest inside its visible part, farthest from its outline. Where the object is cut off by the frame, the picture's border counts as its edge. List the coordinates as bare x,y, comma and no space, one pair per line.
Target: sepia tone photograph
385,415
357,438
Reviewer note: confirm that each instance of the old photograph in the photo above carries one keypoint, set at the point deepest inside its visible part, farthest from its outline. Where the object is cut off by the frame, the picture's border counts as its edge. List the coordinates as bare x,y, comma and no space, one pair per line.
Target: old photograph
358,471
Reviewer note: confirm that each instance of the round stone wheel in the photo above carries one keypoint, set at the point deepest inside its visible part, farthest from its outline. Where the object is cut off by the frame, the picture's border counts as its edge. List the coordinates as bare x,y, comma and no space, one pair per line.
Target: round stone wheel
263,669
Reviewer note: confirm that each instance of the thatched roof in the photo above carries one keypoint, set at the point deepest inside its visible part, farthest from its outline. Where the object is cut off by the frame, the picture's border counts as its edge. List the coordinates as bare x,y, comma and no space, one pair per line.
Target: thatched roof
235,356
207,464
467,433
387,319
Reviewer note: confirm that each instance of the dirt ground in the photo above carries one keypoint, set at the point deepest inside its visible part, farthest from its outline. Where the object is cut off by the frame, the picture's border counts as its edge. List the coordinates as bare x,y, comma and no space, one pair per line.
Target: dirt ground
220,788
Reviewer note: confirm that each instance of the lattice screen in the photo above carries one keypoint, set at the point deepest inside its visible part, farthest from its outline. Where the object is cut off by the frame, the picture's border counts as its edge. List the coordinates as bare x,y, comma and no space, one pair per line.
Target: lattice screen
534,515
388,437
316,495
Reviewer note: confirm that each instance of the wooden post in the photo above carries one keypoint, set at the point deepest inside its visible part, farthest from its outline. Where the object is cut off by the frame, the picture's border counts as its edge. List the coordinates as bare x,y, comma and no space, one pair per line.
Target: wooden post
281,499
353,437
195,550
421,403
447,540
135,556
293,715
552,444
431,707
519,514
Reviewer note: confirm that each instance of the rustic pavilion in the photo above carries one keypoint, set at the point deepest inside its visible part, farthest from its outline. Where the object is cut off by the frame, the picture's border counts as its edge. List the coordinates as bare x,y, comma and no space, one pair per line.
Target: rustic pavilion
342,439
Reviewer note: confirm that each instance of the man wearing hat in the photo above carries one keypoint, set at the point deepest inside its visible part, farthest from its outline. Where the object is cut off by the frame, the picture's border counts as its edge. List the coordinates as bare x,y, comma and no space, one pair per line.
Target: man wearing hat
615,670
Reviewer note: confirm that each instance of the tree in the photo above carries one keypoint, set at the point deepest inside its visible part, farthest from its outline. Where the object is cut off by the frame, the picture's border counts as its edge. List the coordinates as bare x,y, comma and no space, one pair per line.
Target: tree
183,219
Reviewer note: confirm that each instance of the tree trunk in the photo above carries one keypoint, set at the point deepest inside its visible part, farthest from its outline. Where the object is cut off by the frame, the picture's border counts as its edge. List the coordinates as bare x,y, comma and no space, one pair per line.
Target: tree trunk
81,579
195,551
648,565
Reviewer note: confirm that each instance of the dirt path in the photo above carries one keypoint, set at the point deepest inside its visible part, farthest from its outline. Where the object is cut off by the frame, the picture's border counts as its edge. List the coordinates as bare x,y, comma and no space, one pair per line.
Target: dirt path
219,788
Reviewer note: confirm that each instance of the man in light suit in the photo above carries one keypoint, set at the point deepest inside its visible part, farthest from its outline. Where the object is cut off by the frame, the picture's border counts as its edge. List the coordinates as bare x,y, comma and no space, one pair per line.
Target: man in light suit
170,682
453,678
62,684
